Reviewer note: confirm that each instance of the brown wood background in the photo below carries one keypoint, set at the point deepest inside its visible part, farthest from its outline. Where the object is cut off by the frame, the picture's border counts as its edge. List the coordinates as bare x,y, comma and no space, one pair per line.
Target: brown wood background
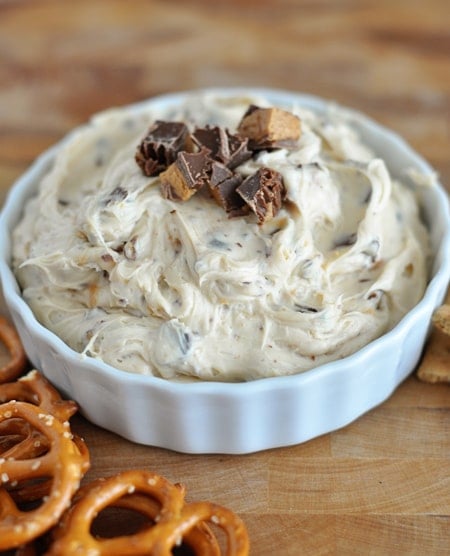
381,485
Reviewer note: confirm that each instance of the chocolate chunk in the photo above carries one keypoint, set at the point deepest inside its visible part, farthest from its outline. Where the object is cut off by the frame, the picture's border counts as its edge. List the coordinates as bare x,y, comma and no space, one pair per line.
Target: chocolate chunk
223,183
268,128
305,308
230,149
346,240
186,175
116,195
214,139
219,174
377,297
159,148
263,192
372,251
239,150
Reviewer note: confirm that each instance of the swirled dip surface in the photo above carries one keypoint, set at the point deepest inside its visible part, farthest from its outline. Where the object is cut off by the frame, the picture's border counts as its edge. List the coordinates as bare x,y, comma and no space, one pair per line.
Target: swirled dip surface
176,290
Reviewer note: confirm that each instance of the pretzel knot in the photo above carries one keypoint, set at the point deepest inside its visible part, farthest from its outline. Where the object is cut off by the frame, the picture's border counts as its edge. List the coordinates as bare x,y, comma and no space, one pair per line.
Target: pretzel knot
59,468
18,360
172,523
36,389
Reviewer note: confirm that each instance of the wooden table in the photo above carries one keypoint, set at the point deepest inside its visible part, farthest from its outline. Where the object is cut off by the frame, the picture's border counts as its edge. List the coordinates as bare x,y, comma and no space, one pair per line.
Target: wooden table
382,484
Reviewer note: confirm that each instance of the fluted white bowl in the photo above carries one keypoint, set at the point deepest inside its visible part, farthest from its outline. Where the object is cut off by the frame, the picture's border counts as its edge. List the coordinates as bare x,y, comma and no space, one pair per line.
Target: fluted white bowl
214,417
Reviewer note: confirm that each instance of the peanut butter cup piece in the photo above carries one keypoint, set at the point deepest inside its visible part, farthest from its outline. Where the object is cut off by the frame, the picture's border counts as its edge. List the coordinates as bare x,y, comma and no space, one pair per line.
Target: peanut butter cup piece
263,192
268,128
223,146
186,175
223,183
159,148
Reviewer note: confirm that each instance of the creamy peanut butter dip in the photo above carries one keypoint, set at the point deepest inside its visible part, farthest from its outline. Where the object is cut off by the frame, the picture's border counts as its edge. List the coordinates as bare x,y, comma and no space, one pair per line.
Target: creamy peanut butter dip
179,289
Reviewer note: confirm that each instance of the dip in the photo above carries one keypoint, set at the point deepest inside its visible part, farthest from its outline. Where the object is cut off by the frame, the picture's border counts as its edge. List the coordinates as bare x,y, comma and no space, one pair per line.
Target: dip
182,289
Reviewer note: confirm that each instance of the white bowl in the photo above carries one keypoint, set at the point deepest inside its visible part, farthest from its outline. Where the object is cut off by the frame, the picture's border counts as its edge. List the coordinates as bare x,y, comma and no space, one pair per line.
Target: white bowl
211,417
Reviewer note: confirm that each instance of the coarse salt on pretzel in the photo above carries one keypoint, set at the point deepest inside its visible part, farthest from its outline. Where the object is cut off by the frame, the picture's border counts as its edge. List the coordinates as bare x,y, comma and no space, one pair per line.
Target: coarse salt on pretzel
65,463
174,522
17,358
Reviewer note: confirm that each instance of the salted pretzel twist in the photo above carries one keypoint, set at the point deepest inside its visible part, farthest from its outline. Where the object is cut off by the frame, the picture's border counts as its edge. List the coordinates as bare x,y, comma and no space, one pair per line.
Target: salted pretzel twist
172,522
23,440
36,389
64,462
199,536
18,360
195,513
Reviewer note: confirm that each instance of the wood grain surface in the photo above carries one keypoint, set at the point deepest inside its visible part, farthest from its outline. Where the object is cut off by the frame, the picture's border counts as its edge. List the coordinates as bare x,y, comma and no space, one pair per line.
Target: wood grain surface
382,484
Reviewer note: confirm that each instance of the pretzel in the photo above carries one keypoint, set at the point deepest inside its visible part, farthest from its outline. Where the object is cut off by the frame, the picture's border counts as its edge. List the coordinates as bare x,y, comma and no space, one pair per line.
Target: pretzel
200,536
33,388
36,389
18,360
20,440
161,501
196,513
65,462
34,490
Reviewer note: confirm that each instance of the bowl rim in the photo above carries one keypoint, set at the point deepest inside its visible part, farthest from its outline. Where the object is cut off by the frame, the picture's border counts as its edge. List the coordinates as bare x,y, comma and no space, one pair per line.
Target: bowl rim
27,184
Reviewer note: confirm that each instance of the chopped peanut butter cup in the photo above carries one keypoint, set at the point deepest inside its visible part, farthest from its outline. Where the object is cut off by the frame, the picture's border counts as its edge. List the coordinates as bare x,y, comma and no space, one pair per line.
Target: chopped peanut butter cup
223,183
159,148
209,155
263,192
268,128
230,149
185,176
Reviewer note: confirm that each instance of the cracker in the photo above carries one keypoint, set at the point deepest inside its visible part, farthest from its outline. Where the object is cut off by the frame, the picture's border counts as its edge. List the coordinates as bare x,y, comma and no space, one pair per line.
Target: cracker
441,319
435,364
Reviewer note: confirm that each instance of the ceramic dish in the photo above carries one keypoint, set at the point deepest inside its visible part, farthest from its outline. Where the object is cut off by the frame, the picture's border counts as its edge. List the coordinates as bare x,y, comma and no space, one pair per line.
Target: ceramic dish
211,417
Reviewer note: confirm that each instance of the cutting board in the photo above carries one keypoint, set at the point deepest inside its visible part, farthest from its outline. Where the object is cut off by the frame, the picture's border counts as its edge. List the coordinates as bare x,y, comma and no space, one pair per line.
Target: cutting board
381,485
